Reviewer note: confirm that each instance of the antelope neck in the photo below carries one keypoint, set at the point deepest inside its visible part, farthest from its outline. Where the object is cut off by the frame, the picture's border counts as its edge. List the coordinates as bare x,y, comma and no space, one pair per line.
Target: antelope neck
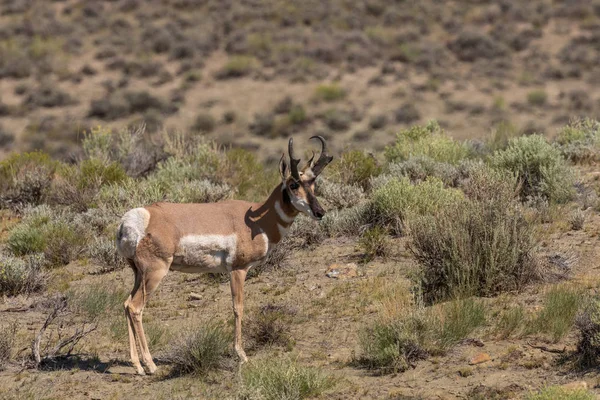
276,214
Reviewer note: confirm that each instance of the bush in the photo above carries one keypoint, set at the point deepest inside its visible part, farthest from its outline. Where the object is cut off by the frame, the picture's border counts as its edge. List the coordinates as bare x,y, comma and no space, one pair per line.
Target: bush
329,92
262,125
537,97
561,305
588,325
22,275
480,246
104,251
419,168
373,243
270,326
429,141
25,177
337,120
560,393
399,199
78,185
204,122
580,141
390,346
237,66
355,167
201,350
539,167
97,302
338,195
347,222
56,235
7,342
407,114
282,379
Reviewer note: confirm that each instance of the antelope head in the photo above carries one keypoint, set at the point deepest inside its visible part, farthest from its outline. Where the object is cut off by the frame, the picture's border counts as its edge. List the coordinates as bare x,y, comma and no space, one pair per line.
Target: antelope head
300,184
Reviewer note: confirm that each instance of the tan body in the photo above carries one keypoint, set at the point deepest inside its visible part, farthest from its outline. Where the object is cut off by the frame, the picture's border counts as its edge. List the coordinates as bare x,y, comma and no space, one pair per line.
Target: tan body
229,236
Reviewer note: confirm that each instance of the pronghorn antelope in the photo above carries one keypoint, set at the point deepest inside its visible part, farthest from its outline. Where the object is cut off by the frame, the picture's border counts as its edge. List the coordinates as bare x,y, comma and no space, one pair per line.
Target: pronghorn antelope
229,236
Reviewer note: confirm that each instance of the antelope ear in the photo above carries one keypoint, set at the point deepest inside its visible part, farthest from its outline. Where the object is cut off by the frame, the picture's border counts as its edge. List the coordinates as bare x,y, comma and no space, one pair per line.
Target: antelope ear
283,168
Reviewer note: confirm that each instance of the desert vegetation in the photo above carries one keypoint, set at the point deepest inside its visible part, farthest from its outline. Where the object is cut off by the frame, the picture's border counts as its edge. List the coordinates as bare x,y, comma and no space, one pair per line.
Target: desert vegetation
457,255
450,240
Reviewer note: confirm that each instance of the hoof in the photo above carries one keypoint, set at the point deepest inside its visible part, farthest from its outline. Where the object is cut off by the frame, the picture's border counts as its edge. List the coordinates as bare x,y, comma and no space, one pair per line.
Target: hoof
151,369
139,370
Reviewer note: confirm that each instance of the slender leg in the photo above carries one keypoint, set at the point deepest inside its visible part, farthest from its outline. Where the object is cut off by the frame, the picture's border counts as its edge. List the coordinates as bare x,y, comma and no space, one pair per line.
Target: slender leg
237,293
152,277
135,360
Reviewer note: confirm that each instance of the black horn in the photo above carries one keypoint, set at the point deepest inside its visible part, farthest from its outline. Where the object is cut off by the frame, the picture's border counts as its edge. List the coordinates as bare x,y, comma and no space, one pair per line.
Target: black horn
293,161
324,159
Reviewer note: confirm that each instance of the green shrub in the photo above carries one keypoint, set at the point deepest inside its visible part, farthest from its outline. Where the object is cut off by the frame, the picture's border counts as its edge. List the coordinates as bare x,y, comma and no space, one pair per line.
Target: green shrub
561,305
580,140
56,235
347,222
104,251
7,342
373,243
539,166
588,325
237,66
510,322
399,199
337,120
354,167
419,168
270,326
97,302
22,275
560,393
430,141
204,122
297,114
329,92
25,178
247,175
480,246
460,318
537,97
339,195
390,346
201,350
78,185
282,379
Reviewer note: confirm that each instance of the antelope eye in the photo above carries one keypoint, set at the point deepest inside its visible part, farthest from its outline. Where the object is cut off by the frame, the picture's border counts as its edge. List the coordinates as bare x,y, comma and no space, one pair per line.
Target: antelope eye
294,185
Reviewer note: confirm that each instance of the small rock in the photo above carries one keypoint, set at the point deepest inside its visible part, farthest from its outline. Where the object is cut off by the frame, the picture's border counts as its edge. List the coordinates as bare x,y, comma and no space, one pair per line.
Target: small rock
480,359
345,271
576,385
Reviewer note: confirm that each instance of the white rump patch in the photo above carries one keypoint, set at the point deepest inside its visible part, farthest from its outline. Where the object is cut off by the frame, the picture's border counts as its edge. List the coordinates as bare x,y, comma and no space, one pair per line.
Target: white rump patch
206,253
132,230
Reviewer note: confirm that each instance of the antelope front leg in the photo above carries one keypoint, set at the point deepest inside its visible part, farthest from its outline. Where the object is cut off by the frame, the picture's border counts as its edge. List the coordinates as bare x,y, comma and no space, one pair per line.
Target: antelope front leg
237,293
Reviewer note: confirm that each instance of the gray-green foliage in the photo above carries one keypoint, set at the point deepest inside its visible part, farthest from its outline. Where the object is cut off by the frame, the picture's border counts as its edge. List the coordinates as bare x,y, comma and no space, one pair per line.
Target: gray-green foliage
282,379
480,246
339,195
580,140
348,221
588,325
420,167
539,166
22,275
201,350
398,199
429,141
394,345
52,232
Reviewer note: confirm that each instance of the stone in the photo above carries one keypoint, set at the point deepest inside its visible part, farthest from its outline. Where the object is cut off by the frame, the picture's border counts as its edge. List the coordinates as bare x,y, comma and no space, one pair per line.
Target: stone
480,359
342,271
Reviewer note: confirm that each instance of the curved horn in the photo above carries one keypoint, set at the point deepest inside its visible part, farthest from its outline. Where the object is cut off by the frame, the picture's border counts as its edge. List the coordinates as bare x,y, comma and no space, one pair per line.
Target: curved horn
293,161
309,163
324,159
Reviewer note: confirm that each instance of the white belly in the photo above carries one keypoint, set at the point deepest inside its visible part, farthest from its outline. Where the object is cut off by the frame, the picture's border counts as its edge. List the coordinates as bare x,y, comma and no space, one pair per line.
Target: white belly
205,253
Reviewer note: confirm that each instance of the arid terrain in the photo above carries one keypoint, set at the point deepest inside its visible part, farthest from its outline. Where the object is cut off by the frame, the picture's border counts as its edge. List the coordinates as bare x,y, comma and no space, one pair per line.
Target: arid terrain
458,257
